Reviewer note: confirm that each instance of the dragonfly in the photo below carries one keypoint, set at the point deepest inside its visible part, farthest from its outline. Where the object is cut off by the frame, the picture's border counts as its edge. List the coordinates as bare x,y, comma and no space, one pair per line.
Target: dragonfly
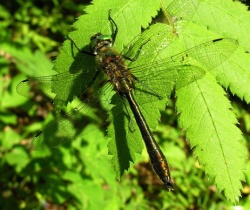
129,84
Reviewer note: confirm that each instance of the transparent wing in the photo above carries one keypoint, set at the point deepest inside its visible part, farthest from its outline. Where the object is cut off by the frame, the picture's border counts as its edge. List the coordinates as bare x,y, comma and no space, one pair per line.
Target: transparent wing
66,83
30,87
64,129
181,9
177,10
83,119
184,67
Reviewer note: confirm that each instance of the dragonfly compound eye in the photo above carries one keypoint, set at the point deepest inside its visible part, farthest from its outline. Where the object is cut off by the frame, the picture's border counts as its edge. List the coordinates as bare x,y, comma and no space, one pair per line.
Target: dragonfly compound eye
99,41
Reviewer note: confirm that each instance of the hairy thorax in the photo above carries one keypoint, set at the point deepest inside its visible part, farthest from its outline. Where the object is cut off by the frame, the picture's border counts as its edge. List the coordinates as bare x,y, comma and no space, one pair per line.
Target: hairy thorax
117,72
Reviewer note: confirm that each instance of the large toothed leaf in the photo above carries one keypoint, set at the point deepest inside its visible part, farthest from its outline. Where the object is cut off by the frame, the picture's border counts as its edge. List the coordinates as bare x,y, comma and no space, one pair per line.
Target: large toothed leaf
228,19
211,128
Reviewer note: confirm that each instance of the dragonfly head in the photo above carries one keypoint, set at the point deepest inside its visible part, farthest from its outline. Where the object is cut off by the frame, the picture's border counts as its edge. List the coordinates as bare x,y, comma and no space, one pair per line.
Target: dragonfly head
99,41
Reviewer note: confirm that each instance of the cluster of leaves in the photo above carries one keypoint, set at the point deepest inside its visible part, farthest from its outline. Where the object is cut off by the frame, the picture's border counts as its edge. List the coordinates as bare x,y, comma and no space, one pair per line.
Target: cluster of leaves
80,175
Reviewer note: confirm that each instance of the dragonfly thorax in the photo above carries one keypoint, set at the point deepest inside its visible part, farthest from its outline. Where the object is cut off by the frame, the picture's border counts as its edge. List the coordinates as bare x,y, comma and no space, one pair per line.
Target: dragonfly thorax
115,69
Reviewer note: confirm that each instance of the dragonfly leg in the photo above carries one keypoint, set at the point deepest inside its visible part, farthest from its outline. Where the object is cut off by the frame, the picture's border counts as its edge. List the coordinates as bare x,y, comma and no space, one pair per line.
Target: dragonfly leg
146,86
114,25
137,53
82,51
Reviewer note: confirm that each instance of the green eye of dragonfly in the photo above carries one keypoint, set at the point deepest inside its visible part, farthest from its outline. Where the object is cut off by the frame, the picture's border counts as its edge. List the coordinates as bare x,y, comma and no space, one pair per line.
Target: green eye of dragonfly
99,40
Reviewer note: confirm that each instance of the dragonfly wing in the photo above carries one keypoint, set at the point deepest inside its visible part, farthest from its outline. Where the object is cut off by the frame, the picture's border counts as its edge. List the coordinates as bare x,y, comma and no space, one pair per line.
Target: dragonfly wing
82,120
182,9
60,88
188,74
67,127
178,10
149,43
210,54
183,68
33,86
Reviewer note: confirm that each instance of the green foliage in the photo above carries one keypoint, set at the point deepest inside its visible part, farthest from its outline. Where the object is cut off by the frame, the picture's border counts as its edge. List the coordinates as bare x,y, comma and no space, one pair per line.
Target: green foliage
79,175
212,132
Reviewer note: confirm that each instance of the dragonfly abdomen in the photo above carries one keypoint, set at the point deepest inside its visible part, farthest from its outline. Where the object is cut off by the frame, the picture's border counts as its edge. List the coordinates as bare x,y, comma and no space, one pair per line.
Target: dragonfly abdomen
161,168
156,156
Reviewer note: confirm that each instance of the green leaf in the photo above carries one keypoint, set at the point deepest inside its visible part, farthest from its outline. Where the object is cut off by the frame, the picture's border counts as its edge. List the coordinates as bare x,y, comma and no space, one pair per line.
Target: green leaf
9,138
125,143
225,18
217,142
18,158
10,96
8,118
233,75
126,15
30,63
